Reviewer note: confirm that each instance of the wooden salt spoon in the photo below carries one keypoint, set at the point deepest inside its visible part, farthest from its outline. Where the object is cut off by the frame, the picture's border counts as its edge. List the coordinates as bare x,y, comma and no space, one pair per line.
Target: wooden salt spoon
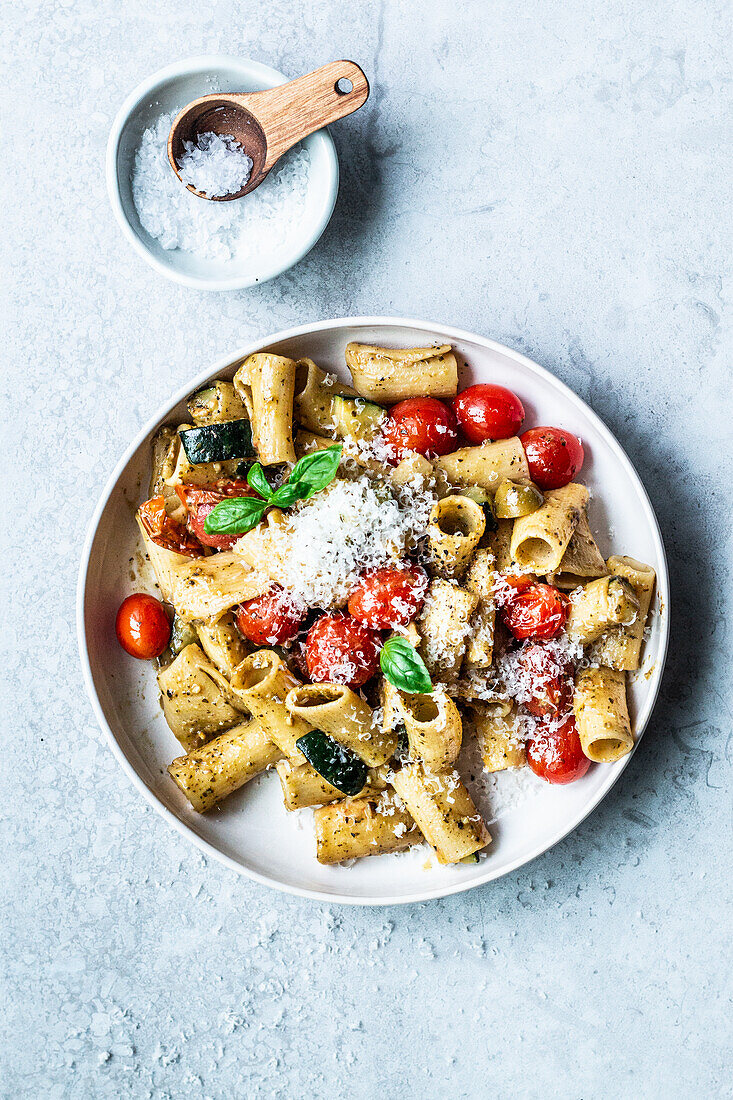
267,124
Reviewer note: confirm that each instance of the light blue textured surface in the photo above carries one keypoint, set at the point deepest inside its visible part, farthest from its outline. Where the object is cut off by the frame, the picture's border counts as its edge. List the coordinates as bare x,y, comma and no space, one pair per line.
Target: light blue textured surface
552,175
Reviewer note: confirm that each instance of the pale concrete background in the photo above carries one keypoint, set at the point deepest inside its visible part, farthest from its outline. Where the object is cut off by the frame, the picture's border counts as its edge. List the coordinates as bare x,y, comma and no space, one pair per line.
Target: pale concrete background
552,175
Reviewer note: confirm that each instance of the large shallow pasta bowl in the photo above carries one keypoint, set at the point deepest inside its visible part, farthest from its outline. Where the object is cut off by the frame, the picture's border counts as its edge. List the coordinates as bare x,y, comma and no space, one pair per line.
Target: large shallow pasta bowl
251,832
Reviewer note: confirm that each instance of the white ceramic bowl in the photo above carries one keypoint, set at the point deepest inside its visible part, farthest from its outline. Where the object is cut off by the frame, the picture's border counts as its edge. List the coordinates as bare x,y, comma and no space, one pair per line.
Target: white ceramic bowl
251,832
173,87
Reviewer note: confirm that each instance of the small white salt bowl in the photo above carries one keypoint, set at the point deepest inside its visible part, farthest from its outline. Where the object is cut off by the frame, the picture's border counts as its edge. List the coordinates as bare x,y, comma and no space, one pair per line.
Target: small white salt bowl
174,87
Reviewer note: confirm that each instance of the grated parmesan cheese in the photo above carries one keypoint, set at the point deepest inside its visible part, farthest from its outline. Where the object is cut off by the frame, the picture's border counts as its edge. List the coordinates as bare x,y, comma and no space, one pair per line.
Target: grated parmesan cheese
329,541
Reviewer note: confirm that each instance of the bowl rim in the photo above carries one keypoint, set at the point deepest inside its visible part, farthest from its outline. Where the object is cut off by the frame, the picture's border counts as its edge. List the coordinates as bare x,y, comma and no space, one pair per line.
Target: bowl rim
144,90
452,335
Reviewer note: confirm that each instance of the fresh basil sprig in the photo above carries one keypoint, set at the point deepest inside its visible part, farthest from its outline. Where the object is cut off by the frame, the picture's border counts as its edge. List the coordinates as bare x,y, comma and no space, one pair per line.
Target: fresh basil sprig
310,474
404,668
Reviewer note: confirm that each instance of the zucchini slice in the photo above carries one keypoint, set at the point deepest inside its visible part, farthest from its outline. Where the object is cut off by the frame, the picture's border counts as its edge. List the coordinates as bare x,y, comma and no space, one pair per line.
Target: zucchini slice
482,497
355,417
219,402
339,766
218,442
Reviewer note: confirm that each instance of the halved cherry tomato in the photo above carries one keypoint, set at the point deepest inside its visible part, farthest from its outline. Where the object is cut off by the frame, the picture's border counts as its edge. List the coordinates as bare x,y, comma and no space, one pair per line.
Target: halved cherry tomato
167,532
270,619
421,424
341,650
142,626
538,611
200,500
389,597
507,585
554,456
555,753
546,676
486,411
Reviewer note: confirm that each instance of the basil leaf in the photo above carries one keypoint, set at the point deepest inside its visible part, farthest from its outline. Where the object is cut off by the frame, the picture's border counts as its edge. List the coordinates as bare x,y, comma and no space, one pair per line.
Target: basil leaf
315,471
256,480
235,516
404,668
287,495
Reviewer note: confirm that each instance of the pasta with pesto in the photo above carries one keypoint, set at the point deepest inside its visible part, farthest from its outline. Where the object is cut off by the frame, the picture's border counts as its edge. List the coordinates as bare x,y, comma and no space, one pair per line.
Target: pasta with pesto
360,604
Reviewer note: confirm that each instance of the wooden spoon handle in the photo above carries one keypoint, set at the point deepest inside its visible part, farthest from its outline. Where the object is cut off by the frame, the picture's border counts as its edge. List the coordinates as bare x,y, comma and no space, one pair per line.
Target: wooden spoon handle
301,106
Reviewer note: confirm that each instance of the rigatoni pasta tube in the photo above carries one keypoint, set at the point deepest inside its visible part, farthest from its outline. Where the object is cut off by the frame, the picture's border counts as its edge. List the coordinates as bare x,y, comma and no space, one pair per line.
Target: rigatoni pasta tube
314,392
540,540
393,374
302,786
444,627
480,580
621,648
409,469
166,564
362,827
222,643
487,464
602,715
343,715
434,728
497,728
266,384
444,811
204,588
582,559
604,603
197,701
500,544
261,683
454,531
207,775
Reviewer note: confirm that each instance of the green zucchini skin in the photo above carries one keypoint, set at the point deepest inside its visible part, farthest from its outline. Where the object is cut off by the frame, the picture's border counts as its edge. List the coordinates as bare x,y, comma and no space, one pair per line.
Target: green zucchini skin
355,416
218,442
339,766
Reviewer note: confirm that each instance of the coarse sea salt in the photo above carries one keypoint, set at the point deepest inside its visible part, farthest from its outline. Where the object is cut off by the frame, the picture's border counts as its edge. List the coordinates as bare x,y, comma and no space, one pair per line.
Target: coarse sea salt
260,223
215,164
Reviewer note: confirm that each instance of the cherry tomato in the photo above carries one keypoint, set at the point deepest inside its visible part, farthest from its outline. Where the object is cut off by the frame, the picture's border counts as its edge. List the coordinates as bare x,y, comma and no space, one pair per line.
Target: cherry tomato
421,424
142,626
554,456
270,619
199,501
538,611
488,412
507,585
341,650
167,532
555,754
389,597
545,676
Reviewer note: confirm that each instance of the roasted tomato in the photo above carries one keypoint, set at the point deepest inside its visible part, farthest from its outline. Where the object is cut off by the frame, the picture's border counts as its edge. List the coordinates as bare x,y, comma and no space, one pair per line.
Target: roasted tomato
270,619
507,585
389,597
488,412
142,626
166,532
555,753
547,676
200,500
538,611
341,650
421,424
554,456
